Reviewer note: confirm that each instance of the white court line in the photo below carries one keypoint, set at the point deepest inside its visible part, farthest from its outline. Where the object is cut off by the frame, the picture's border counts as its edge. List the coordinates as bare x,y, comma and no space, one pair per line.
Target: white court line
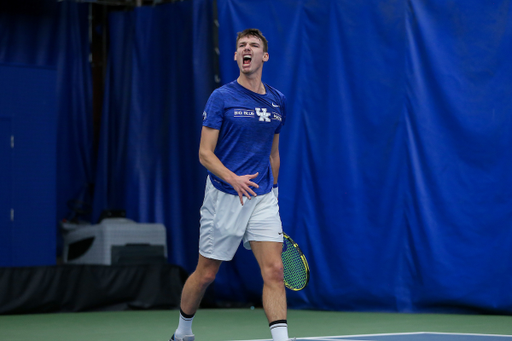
326,338
366,335
338,336
471,334
345,337
329,338
322,339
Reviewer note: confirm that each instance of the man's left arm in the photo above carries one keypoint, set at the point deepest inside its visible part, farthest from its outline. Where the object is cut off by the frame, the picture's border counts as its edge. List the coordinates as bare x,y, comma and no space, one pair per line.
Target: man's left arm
275,161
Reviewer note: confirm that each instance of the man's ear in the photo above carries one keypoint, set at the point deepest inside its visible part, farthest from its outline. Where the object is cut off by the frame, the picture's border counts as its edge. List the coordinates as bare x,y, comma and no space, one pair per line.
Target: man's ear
266,56
235,56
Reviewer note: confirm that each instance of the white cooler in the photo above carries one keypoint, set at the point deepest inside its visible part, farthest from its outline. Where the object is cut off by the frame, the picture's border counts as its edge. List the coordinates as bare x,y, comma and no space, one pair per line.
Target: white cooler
115,241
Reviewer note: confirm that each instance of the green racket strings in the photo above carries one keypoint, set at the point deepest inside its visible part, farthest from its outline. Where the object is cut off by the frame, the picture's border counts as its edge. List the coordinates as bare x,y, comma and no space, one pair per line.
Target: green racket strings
295,269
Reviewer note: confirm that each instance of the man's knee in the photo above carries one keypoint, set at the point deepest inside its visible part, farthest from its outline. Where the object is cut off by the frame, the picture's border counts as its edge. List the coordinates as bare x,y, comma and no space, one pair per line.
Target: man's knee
205,273
201,279
273,272
208,276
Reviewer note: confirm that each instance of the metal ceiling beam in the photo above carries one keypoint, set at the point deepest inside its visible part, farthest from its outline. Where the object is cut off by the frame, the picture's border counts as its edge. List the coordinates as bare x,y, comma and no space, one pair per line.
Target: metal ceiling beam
126,3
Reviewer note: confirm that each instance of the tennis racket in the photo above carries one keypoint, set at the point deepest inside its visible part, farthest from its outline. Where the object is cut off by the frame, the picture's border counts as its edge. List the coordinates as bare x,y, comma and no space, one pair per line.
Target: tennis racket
296,268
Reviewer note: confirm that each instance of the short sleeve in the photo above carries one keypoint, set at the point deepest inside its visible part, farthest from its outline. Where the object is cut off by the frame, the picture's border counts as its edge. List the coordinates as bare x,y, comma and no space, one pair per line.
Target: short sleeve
283,114
213,114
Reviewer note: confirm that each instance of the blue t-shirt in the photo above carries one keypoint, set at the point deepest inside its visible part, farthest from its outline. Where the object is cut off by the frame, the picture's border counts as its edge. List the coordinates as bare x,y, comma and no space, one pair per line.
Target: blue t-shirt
247,122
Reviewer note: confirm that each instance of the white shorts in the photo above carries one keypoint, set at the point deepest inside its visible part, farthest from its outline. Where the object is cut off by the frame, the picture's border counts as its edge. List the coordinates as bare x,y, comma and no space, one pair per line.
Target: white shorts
225,222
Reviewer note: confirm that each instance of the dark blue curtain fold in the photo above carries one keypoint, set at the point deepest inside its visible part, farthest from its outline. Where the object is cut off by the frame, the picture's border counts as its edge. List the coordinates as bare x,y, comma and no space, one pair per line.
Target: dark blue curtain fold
75,154
160,73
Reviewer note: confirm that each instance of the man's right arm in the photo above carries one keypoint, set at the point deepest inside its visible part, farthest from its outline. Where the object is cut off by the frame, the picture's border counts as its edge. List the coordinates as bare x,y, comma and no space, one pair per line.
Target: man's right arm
241,184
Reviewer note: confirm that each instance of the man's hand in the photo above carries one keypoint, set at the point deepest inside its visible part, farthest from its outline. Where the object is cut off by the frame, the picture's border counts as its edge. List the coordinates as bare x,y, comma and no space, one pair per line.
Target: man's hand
242,185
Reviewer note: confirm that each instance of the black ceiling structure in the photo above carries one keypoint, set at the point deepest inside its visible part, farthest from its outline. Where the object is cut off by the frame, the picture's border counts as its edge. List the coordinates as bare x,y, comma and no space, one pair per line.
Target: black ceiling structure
126,3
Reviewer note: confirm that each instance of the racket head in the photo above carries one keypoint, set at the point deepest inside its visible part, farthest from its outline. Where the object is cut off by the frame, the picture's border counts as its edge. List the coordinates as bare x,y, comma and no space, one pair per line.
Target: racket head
295,265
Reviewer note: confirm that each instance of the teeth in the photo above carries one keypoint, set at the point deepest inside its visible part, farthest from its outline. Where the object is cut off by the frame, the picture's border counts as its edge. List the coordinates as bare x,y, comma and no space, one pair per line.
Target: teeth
247,57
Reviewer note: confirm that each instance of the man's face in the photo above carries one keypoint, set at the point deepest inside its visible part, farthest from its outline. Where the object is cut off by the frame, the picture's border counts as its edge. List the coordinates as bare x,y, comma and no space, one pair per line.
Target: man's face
249,54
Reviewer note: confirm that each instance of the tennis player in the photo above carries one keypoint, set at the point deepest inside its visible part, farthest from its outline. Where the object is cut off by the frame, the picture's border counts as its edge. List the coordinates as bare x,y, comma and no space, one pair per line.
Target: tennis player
240,149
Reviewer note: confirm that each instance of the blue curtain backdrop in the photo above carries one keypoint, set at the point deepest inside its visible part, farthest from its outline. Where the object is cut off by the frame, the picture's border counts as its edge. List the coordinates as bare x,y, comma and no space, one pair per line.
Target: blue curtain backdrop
54,35
341,66
160,74
396,156
75,154
457,117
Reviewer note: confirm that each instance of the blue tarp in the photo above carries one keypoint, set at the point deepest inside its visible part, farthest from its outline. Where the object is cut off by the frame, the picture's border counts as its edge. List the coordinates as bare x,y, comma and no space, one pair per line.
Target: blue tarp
148,157
47,42
396,156
396,153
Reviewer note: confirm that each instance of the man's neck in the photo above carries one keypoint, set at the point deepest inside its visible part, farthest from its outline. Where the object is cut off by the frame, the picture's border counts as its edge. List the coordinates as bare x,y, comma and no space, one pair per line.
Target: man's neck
254,84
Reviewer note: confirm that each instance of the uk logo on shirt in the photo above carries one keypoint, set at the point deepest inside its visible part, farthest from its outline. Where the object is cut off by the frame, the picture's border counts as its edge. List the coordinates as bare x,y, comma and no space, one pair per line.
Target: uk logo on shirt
263,114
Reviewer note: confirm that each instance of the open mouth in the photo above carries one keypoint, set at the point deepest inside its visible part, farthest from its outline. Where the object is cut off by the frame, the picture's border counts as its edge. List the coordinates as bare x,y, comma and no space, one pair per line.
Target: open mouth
247,60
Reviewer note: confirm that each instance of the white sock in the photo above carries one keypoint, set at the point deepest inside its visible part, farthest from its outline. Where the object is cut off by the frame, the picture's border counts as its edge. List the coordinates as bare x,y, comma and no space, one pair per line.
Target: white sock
184,325
279,330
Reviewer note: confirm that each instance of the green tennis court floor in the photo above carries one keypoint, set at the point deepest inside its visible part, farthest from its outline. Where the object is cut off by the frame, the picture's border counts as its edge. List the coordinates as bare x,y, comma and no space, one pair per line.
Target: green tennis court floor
247,324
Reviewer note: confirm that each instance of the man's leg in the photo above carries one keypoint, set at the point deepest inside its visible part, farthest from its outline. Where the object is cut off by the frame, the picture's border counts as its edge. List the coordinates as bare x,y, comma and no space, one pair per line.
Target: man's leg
197,283
193,292
268,255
